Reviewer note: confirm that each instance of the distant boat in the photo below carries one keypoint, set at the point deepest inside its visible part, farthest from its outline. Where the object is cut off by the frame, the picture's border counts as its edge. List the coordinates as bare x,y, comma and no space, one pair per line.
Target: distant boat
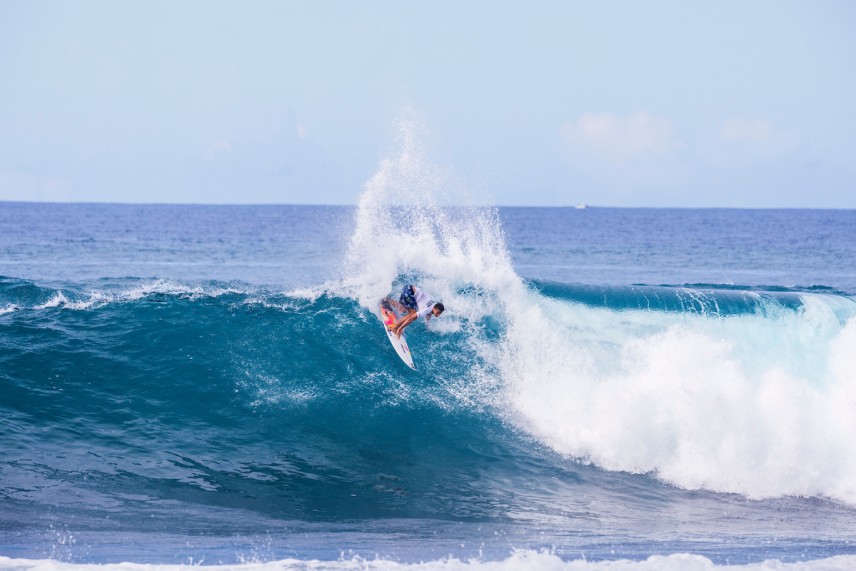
581,206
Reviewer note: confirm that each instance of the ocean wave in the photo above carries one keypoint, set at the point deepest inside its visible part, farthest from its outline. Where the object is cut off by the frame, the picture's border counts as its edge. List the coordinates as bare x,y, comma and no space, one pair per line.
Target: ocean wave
704,300
727,390
21,294
540,413
746,397
520,560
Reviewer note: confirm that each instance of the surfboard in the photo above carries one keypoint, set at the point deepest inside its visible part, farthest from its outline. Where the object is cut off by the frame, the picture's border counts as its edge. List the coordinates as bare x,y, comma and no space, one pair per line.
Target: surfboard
389,317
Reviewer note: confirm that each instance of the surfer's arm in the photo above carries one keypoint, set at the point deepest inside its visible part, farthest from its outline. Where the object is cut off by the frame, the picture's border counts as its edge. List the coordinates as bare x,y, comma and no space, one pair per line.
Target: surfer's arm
404,322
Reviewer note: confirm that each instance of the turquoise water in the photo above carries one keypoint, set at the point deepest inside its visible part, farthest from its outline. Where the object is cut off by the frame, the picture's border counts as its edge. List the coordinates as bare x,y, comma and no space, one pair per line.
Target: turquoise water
210,383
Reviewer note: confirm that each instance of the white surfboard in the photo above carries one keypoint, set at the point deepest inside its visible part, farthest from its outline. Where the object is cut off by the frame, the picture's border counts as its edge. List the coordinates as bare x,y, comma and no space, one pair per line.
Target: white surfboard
388,317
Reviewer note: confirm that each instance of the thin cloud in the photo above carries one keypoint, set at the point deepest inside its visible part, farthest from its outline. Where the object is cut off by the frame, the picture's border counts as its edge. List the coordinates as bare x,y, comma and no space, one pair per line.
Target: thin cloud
740,129
635,155
218,147
619,140
750,141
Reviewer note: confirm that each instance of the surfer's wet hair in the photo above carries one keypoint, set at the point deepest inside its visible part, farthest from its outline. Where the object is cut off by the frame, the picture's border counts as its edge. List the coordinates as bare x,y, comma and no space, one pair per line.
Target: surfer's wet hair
439,306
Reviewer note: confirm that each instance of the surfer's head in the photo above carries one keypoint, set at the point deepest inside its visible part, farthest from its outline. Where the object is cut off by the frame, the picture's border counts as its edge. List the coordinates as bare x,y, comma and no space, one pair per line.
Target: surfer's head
437,309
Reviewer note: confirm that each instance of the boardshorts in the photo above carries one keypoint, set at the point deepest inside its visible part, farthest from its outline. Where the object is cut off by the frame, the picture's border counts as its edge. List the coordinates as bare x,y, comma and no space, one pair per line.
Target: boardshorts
407,298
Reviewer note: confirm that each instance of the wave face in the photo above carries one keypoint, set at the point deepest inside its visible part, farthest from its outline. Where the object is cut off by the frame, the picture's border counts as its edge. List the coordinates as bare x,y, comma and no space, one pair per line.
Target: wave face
204,407
123,411
231,396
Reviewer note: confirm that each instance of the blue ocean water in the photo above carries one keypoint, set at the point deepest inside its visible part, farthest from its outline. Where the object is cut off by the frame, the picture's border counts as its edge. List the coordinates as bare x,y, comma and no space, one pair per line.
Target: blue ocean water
185,384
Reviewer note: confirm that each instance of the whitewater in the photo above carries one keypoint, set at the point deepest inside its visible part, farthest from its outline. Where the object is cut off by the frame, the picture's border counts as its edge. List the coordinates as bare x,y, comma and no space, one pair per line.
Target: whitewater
608,389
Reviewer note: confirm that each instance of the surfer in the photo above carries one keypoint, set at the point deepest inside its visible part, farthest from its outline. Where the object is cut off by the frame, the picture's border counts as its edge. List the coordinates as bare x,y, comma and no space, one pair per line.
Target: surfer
417,304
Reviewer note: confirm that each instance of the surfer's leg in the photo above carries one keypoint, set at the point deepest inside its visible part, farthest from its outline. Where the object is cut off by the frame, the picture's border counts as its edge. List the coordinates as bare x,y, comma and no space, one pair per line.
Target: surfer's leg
407,299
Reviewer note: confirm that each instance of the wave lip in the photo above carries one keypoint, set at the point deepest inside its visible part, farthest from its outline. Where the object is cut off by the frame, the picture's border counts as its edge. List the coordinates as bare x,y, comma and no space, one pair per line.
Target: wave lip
20,294
706,300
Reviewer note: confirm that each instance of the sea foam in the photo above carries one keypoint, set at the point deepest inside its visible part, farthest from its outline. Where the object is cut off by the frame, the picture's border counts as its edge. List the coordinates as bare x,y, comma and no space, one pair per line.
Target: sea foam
758,404
521,560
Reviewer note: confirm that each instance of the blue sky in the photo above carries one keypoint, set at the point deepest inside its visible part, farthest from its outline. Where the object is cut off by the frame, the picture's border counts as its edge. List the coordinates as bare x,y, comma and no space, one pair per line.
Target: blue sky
726,104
